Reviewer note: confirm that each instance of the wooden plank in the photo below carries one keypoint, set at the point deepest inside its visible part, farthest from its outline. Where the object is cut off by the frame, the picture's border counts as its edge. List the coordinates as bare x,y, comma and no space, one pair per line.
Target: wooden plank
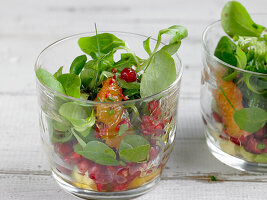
44,188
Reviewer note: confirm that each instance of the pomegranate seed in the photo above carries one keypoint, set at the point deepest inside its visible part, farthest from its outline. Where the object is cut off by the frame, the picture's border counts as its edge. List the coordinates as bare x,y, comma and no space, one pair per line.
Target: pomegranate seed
153,107
75,158
217,117
120,187
100,187
151,126
252,146
84,165
103,175
67,159
128,74
64,149
153,152
260,133
235,140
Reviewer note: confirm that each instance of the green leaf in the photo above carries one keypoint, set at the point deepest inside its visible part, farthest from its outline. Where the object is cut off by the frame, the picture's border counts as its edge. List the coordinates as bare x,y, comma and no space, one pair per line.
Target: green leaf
87,77
79,139
241,58
78,115
250,119
123,129
61,137
58,72
225,51
237,22
127,60
176,32
128,85
134,148
72,110
172,48
71,84
261,146
78,64
100,153
104,75
49,80
159,75
107,43
146,45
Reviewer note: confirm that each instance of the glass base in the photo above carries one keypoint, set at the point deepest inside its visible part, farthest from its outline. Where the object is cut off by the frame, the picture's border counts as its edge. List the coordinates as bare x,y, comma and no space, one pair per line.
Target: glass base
235,162
89,194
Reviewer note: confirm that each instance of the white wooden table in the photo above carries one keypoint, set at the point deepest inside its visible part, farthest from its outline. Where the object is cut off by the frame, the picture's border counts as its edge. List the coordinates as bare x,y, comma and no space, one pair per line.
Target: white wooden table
28,26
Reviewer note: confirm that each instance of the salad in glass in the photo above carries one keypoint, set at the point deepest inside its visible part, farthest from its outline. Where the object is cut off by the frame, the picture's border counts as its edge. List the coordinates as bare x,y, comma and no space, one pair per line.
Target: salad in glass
234,84
108,121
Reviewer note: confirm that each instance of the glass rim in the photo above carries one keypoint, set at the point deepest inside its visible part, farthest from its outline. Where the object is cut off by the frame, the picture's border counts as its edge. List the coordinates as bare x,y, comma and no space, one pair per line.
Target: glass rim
52,91
204,45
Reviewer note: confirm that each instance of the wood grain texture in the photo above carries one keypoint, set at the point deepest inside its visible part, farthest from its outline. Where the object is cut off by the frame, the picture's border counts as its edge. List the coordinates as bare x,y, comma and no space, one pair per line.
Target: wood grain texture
30,25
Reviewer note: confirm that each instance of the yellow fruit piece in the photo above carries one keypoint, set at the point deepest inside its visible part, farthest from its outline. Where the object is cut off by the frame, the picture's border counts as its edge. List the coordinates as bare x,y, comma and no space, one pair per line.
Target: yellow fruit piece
139,181
82,181
228,147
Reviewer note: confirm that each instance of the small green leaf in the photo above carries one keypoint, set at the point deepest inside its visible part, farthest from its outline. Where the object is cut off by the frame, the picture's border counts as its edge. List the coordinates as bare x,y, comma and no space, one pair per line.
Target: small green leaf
79,139
100,153
49,80
107,43
146,45
241,58
61,137
123,129
172,48
58,72
78,64
127,60
250,119
176,32
78,115
159,75
134,148
225,51
237,22
71,84
261,146
128,85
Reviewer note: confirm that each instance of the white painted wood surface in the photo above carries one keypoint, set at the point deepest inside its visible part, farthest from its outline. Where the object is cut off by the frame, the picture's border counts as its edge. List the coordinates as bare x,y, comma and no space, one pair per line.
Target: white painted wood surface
30,25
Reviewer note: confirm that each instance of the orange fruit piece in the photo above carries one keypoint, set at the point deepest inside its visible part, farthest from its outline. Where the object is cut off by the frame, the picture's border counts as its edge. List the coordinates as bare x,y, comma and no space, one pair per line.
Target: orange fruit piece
111,115
226,111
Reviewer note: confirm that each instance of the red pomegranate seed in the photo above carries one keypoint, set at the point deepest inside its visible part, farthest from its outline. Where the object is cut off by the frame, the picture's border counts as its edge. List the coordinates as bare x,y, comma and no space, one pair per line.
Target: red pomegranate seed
235,140
153,152
75,158
252,146
153,107
64,149
84,165
128,74
100,187
216,117
120,187
67,159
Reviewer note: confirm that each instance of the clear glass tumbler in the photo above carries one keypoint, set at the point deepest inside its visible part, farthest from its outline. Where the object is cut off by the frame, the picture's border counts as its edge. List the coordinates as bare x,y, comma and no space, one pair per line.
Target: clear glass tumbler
153,119
223,94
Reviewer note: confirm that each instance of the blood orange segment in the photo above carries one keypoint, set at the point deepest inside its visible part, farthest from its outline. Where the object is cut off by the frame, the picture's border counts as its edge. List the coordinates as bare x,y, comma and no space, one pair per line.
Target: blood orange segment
111,115
226,111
